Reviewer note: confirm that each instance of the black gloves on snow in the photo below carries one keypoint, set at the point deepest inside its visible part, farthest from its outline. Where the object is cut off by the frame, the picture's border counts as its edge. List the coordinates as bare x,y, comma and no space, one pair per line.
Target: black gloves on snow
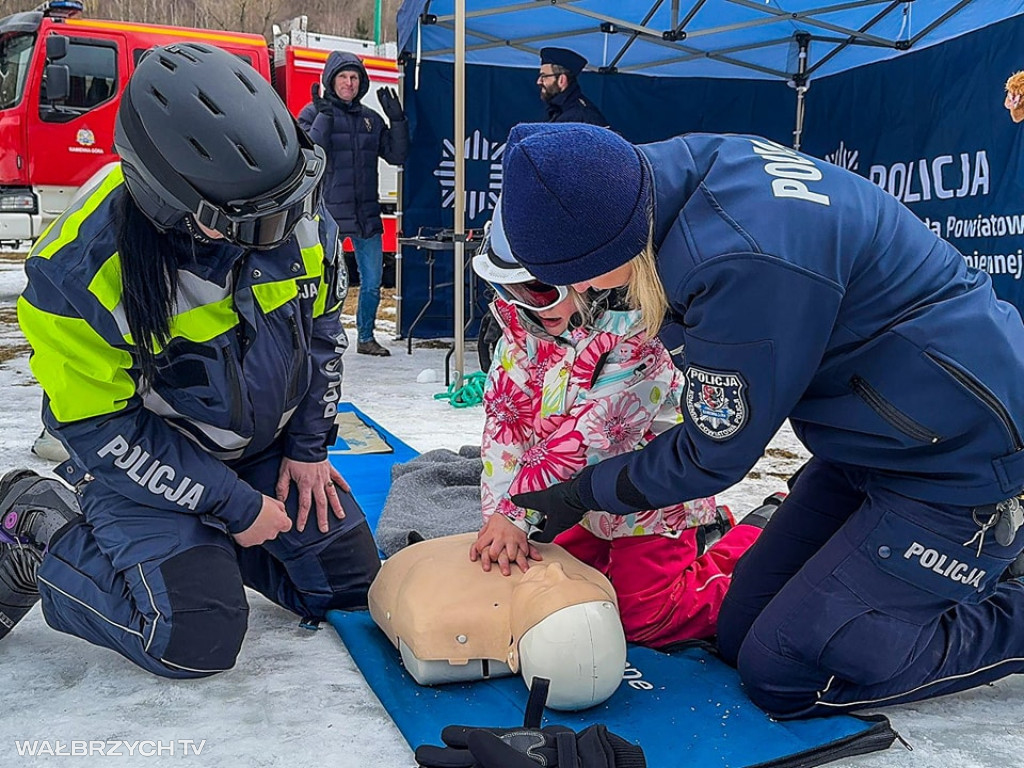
389,102
555,746
559,505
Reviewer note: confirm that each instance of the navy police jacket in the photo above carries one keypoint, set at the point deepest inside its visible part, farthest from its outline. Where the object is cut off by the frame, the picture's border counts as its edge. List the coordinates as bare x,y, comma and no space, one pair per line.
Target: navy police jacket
253,360
799,290
571,106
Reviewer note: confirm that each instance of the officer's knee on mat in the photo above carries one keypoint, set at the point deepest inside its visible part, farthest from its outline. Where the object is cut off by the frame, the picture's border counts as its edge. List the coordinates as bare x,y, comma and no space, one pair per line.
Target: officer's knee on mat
774,683
734,621
350,562
209,613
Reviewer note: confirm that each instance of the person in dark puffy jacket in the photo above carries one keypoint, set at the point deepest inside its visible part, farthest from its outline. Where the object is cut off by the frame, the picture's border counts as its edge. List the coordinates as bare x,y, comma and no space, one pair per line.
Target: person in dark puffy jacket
787,288
354,136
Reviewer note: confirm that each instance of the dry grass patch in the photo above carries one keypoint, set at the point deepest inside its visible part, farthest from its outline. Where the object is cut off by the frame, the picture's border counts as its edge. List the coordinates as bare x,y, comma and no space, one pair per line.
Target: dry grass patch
782,453
387,302
10,351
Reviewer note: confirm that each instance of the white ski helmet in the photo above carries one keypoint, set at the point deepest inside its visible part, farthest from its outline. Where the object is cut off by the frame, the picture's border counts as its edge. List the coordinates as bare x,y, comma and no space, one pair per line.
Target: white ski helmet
494,261
512,281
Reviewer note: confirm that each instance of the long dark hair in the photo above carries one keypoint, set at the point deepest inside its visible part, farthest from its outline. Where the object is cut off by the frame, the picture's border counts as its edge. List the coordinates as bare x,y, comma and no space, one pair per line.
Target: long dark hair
149,282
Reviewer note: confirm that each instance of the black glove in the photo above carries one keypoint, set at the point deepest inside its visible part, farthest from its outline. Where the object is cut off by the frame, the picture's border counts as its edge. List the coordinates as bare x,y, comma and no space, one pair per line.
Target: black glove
320,104
559,506
555,747
389,102
486,340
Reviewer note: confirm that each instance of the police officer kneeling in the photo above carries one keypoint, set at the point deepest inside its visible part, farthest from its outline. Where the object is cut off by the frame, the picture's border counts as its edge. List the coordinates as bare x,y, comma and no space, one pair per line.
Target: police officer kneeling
788,288
184,323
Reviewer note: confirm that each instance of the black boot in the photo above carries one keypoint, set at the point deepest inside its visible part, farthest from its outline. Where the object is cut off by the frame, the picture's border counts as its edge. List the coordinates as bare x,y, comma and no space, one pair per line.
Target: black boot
372,347
18,589
711,533
763,514
33,508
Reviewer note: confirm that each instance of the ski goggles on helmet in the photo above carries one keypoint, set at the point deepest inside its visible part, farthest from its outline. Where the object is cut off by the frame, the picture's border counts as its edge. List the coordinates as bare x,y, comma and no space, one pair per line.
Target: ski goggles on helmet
512,281
269,220
533,294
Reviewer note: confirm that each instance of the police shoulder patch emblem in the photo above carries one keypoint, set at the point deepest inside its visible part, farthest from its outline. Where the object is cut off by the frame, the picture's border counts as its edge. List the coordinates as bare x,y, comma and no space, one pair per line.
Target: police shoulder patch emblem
341,277
716,401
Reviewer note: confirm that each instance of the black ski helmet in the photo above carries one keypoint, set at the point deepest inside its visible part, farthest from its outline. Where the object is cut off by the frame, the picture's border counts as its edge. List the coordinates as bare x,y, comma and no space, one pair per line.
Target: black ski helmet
200,131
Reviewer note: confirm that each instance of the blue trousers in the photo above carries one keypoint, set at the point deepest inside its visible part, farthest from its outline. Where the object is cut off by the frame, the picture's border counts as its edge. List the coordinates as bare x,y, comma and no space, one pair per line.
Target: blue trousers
370,260
856,597
166,589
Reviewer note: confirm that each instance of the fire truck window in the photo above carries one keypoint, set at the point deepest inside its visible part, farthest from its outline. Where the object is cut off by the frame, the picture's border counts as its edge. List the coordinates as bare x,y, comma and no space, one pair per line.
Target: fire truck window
93,80
15,54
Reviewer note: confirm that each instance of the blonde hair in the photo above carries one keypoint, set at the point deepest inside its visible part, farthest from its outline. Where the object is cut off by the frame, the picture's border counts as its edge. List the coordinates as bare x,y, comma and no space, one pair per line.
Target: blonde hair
646,292
583,307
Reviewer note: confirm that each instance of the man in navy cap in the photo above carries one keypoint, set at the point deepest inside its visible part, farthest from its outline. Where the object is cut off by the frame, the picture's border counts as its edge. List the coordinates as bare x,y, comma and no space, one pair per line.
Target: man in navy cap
559,68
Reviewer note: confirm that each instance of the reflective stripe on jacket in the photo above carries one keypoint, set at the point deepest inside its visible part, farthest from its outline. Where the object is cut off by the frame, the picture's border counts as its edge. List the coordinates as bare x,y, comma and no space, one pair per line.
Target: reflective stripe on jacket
254,355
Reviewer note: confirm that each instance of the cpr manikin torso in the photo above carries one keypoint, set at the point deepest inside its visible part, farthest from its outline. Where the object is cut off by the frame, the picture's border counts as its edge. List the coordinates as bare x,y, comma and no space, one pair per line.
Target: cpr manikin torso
452,621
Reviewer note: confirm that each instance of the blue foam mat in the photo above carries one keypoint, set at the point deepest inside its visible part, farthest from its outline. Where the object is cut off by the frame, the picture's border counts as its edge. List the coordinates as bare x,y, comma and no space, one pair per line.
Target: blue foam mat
684,708
369,474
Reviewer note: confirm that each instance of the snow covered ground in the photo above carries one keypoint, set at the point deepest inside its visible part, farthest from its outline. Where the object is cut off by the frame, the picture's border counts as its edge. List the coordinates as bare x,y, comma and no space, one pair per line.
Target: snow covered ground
295,697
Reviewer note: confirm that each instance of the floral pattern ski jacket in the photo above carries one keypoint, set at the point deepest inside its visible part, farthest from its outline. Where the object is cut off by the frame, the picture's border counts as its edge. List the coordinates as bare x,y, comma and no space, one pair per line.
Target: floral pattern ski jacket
553,406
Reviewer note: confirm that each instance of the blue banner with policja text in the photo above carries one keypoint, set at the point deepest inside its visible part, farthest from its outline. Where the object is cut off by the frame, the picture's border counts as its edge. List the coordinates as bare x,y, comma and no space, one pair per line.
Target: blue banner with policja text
930,129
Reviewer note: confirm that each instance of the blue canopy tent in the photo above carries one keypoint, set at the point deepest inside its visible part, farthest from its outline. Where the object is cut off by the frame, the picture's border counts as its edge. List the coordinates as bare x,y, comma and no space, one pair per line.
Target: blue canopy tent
930,69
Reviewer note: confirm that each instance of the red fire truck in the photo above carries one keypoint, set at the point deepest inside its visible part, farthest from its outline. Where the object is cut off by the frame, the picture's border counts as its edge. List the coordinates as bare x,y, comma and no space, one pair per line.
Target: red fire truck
61,79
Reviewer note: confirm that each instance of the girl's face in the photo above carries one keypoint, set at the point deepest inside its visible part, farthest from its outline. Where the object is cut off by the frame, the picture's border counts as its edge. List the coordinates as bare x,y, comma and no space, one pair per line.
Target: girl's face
617,278
556,319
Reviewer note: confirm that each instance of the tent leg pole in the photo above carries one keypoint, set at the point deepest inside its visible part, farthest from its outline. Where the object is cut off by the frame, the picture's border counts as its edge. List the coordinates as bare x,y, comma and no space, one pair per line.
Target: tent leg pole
459,136
803,41
799,128
399,264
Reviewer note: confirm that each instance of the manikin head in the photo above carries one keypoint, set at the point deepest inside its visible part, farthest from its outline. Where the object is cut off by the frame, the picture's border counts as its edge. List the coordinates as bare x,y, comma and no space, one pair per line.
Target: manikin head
580,647
559,620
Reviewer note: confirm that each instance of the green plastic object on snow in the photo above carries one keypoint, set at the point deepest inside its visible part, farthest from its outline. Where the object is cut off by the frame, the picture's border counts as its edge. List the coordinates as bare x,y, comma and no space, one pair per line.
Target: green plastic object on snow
467,393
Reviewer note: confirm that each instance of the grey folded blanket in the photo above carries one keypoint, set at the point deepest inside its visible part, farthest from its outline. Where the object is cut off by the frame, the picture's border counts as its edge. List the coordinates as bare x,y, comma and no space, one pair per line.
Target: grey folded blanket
436,494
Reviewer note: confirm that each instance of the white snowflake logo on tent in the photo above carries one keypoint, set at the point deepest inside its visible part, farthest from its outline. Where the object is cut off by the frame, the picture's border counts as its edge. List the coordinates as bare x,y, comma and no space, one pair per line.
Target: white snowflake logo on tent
483,173
844,157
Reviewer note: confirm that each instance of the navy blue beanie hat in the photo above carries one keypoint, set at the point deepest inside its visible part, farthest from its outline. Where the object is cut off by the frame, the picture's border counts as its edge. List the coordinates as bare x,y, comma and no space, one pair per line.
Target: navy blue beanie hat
576,200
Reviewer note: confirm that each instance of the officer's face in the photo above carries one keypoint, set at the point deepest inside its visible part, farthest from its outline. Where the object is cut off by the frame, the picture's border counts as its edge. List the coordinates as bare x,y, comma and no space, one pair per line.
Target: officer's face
550,84
617,278
346,85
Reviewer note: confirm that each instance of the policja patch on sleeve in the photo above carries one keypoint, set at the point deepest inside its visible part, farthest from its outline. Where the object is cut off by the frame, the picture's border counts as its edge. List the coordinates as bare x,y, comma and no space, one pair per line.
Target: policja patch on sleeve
339,280
716,401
